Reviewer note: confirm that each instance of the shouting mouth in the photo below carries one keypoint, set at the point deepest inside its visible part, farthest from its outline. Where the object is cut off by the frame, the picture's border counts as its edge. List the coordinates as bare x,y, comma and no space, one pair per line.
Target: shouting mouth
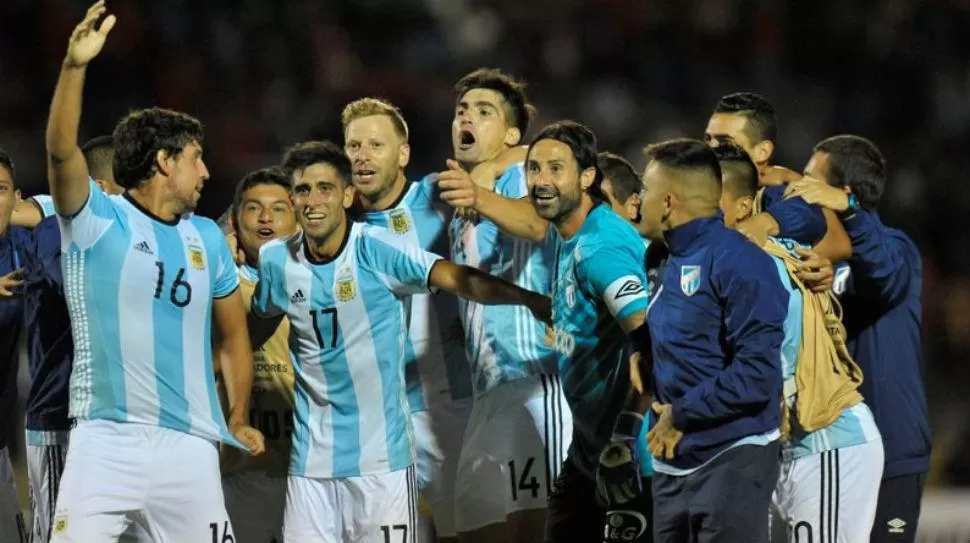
466,140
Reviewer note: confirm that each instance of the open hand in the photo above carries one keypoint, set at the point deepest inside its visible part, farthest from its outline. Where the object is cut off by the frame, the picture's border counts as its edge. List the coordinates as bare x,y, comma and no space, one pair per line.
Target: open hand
663,438
86,40
819,193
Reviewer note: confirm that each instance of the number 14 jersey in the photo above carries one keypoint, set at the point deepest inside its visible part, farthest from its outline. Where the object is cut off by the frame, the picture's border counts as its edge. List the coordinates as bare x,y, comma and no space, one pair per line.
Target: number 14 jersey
348,329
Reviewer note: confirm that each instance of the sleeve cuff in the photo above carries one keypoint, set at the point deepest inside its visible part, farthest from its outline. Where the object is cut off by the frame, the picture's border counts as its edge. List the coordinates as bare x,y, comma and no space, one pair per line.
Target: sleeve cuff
679,415
427,279
226,295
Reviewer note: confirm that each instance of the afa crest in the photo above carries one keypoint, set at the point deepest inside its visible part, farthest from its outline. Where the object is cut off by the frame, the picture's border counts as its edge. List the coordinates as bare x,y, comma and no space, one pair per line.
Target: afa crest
196,257
60,524
690,279
345,290
400,222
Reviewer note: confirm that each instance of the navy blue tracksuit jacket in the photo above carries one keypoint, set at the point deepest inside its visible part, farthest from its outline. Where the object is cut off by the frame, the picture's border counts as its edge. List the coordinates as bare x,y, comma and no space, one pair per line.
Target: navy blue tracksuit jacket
881,303
716,324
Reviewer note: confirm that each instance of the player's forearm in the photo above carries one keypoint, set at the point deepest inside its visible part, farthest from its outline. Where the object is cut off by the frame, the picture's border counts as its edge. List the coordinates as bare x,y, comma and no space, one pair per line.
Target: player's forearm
835,245
65,114
237,374
515,217
478,286
26,214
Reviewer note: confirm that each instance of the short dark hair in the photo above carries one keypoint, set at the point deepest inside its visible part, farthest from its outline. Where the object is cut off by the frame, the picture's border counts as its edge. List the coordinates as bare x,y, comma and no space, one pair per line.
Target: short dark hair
518,109
7,163
757,111
582,143
303,155
686,154
99,153
141,134
855,162
739,175
624,179
272,175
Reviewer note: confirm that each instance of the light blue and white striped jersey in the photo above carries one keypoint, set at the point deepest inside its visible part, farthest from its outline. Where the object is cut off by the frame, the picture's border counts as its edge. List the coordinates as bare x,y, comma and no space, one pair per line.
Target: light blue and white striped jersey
855,426
348,329
139,291
436,367
45,203
504,343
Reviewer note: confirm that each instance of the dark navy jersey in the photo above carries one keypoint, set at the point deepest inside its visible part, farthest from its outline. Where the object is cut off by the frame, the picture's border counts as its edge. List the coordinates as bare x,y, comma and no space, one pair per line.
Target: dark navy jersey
11,320
49,344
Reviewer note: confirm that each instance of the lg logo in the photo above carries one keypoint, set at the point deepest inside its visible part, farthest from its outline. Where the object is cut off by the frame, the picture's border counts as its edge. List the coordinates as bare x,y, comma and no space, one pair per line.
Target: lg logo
563,342
624,526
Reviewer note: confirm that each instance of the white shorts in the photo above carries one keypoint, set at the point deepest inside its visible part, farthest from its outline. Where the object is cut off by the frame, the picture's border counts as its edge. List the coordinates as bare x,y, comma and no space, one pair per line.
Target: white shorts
255,503
830,497
116,474
438,433
514,447
368,509
12,525
46,452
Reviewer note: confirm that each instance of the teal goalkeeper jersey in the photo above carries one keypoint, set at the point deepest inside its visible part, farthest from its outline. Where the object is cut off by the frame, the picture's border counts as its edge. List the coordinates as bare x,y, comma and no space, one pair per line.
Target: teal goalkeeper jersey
600,280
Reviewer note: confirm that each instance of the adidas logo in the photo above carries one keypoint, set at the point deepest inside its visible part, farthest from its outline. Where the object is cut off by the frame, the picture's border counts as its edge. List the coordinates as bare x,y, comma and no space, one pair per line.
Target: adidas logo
143,247
298,297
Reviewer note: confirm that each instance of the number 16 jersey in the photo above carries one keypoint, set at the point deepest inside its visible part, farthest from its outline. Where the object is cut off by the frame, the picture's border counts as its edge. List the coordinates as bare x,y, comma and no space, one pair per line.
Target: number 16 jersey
348,329
139,291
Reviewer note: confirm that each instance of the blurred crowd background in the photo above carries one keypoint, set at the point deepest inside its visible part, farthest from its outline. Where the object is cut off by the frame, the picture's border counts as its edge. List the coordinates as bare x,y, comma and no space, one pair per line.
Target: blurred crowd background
264,74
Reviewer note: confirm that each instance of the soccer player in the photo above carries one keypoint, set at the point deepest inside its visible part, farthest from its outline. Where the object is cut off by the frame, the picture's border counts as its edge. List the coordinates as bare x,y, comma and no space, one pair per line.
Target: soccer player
620,185
12,242
748,120
436,370
829,476
50,350
144,287
881,298
255,486
520,426
346,288
716,327
599,297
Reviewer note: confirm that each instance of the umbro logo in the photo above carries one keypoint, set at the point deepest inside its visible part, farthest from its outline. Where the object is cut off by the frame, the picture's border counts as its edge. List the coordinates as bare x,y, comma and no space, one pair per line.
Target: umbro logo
298,297
630,288
896,526
143,247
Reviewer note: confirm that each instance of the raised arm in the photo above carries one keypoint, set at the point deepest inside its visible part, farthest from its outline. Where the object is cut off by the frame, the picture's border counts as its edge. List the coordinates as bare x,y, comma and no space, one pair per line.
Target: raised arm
68,172
515,217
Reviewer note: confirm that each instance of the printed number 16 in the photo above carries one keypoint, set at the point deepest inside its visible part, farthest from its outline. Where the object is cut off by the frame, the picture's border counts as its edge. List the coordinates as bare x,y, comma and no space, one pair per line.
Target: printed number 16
226,536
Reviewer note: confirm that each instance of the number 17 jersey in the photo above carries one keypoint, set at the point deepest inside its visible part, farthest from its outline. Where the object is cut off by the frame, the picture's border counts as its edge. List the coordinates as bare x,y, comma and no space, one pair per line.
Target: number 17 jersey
139,291
348,329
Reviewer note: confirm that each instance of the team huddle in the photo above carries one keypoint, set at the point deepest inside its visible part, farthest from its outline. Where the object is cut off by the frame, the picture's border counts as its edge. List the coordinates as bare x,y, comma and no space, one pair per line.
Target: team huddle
538,343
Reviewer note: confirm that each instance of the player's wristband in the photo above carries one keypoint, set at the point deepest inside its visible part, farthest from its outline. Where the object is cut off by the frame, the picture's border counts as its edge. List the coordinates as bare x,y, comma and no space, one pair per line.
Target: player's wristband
628,426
